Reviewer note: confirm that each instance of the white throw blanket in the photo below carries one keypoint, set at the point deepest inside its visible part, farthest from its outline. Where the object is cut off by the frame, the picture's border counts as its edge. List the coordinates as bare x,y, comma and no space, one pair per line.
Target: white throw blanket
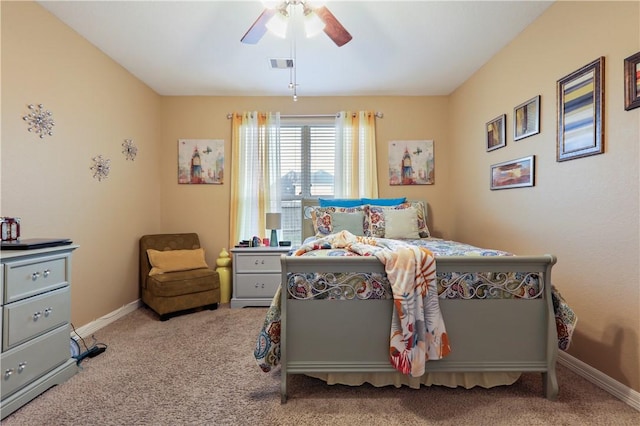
417,329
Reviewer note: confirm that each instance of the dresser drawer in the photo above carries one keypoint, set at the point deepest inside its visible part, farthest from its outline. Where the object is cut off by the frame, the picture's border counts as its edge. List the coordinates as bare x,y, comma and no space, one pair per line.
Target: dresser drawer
34,316
25,278
257,286
262,263
29,361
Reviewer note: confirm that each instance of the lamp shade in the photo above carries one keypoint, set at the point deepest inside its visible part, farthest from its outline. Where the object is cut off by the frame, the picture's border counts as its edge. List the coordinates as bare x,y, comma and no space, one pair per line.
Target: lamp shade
313,25
278,24
274,221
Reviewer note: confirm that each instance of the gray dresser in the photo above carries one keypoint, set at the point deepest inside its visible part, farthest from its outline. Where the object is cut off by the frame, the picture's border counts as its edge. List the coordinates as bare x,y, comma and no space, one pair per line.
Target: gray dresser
36,313
256,275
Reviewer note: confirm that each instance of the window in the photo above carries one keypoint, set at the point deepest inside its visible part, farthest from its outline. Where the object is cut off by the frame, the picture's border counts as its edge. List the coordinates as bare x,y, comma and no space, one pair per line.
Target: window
307,162
279,160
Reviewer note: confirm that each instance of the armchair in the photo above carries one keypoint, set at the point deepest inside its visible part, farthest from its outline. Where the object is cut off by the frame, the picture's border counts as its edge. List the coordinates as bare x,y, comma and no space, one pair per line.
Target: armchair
183,281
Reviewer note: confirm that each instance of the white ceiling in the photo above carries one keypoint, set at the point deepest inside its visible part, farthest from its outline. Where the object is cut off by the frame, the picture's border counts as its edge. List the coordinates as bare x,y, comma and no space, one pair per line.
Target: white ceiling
398,47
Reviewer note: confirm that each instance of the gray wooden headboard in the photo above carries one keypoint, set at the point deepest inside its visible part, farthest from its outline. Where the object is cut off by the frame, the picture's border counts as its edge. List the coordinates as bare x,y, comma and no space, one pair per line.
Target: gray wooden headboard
307,223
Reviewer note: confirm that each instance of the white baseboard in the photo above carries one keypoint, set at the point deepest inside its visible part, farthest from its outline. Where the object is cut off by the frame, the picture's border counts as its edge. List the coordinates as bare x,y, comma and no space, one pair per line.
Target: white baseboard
89,329
615,388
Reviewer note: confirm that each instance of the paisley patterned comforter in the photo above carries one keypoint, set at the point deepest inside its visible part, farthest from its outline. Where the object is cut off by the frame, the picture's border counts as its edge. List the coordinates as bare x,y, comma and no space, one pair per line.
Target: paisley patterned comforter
377,286
449,285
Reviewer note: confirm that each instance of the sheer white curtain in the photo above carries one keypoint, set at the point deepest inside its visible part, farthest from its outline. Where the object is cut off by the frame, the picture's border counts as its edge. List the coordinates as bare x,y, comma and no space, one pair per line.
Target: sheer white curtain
356,174
255,175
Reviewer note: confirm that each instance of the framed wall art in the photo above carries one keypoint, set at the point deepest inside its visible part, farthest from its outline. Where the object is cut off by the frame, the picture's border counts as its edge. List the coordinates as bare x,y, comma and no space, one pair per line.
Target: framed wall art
580,104
526,119
200,161
632,82
496,130
411,162
513,174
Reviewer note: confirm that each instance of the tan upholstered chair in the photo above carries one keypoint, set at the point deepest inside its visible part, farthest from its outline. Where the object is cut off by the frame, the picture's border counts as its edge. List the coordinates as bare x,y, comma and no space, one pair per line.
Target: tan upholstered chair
171,292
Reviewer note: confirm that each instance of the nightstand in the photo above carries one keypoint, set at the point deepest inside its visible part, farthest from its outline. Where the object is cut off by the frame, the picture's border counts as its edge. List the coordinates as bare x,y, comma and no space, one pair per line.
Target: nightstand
256,275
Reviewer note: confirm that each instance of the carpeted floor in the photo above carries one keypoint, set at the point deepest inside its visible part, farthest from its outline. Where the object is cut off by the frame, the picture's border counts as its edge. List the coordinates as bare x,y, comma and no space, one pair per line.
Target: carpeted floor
198,369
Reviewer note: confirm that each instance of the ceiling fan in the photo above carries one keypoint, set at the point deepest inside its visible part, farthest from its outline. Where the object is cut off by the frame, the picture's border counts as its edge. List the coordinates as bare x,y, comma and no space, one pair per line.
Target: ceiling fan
316,19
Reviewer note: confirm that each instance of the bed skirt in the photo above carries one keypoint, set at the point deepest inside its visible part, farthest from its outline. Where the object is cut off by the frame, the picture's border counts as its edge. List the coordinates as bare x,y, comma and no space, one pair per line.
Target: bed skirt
451,380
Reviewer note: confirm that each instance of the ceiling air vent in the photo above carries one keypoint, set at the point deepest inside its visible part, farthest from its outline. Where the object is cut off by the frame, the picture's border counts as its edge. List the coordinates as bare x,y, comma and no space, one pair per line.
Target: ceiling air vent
281,63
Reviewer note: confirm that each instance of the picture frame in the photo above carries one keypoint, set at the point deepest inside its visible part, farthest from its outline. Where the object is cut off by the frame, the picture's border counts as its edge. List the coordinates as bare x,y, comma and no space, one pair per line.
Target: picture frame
580,104
526,119
513,174
632,82
200,161
496,131
411,162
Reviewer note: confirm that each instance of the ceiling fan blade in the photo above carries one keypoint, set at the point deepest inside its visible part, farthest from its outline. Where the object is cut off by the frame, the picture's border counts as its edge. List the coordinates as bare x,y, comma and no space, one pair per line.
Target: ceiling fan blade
333,28
259,28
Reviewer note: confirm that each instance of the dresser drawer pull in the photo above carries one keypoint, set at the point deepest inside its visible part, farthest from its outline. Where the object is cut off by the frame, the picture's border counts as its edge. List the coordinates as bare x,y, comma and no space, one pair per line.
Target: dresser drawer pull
35,276
37,316
46,272
259,262
7,373
48,311
22,366
258,285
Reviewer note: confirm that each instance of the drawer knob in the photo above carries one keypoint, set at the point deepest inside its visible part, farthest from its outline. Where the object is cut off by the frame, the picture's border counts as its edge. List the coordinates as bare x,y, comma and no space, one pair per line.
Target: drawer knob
22,366
7,373
258,285
37,316
46,272
35,276
48,311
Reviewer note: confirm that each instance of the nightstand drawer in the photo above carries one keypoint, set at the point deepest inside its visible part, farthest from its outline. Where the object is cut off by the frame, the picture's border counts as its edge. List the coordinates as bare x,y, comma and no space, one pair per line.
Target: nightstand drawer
31,360
262,263
34,316
25,278
257,286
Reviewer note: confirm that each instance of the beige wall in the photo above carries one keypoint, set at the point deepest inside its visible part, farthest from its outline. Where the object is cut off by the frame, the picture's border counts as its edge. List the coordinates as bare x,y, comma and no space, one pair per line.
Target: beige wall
204,208
585,211
96,104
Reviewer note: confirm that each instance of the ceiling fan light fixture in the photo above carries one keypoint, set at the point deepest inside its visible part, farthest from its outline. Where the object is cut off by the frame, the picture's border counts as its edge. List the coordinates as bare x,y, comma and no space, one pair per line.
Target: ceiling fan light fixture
313,25
278,24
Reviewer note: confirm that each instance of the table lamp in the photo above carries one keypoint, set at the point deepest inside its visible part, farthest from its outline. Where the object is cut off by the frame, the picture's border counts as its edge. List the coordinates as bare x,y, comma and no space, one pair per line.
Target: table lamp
273,223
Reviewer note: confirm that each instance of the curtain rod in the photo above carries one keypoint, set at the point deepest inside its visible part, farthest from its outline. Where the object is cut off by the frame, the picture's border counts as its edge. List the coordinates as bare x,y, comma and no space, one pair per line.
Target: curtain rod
378,115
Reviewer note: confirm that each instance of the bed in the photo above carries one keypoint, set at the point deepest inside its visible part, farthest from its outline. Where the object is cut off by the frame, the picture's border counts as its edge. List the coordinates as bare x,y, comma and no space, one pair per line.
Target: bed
501,323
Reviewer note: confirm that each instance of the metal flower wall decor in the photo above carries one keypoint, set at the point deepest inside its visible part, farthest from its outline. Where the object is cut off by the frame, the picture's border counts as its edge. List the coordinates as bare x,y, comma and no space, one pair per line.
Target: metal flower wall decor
129,149
40,121
101,167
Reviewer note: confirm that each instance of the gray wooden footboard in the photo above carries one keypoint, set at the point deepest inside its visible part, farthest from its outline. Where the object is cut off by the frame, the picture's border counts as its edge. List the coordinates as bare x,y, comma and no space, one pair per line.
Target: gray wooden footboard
492,335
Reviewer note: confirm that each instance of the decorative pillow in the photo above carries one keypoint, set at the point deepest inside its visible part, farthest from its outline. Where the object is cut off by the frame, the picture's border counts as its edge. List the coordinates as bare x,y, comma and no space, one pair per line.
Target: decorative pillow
352,222
322,220
175,260
421,209
340,202
375,219
383,201
401,223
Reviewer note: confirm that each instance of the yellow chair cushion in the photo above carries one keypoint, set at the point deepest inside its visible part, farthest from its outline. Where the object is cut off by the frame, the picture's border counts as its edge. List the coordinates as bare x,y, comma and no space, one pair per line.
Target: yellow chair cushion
175,260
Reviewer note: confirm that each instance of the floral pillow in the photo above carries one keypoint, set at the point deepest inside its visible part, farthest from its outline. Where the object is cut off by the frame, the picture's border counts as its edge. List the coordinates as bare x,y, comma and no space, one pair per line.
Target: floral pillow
322,218
374,218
